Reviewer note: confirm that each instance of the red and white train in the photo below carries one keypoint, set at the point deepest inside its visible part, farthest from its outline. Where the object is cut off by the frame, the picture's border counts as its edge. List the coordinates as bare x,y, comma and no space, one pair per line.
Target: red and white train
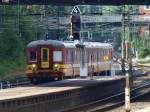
59,59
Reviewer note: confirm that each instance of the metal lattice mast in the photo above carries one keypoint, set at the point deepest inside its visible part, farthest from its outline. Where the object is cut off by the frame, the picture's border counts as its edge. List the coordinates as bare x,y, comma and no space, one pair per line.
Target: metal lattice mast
123,41
126,54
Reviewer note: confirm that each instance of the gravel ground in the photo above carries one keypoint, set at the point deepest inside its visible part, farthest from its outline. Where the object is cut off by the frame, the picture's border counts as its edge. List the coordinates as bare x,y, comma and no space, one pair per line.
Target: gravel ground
141,103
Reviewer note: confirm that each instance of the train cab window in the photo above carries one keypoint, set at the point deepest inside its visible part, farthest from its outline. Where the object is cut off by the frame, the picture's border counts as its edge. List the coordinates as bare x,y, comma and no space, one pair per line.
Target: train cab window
44,54
57,56
32,56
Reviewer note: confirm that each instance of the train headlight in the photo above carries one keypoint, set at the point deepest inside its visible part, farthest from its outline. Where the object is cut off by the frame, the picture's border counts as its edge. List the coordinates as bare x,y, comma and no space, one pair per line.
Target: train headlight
33,65
56,65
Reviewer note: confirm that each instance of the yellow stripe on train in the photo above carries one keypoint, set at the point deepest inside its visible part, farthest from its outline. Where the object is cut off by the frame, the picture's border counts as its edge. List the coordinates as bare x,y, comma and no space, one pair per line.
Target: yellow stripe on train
148,75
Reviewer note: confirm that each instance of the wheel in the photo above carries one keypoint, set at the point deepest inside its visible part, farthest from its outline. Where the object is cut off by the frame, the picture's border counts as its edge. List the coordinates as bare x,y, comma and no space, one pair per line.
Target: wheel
60,78
108,73
34,80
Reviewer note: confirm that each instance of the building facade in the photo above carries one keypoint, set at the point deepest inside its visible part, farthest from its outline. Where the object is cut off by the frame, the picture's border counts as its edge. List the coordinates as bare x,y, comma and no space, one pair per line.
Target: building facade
144,10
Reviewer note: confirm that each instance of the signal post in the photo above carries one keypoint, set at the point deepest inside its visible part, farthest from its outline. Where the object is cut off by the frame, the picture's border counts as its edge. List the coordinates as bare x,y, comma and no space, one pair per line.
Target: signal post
75,34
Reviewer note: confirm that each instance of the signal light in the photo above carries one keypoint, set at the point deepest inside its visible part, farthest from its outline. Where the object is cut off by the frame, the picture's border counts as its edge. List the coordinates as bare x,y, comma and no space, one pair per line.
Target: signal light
76,23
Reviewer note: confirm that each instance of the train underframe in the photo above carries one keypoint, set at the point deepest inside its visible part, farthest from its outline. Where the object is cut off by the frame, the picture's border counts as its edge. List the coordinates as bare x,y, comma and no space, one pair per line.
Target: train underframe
40,77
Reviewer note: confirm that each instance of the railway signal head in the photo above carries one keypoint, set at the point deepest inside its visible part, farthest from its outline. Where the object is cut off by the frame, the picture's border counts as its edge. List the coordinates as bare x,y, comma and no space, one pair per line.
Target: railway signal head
76,23
76,26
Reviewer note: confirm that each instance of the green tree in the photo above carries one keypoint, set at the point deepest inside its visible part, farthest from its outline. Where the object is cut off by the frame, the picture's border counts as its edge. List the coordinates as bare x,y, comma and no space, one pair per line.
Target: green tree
17,28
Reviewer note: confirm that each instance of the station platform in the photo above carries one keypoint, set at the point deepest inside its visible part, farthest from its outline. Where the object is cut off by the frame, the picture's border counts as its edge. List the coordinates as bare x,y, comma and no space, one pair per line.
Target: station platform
58,86
60,95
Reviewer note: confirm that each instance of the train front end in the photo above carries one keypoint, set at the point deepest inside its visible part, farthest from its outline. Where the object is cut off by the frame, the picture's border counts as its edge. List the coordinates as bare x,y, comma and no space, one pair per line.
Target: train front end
45,61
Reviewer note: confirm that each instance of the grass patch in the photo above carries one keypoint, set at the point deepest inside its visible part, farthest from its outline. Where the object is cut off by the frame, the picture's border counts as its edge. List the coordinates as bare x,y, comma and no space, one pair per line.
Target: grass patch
147,64
144,61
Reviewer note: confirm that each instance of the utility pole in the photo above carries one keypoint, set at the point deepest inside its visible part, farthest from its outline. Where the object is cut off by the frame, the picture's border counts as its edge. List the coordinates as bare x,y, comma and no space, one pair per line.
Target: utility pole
46,21
58,30
123,43
127,55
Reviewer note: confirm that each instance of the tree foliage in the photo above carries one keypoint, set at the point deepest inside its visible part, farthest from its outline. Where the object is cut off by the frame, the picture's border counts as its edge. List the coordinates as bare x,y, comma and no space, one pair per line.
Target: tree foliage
17,28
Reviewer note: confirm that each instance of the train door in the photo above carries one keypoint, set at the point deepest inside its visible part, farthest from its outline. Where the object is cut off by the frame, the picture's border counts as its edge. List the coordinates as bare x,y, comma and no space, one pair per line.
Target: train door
92,62
44,57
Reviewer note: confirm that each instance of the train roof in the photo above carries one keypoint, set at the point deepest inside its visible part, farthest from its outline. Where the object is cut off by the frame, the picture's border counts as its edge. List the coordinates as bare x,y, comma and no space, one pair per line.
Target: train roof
68,44
46,42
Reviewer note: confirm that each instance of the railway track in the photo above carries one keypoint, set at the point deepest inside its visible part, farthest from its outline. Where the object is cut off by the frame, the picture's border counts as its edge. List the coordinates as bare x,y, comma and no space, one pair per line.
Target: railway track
112,101
21,81
51,96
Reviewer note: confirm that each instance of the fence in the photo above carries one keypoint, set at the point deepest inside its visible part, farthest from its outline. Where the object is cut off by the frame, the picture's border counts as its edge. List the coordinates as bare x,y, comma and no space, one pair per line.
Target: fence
14,83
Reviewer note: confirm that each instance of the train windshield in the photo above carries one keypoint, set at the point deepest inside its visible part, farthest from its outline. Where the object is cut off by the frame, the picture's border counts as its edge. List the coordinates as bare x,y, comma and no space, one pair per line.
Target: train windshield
32,56
45,55
57,56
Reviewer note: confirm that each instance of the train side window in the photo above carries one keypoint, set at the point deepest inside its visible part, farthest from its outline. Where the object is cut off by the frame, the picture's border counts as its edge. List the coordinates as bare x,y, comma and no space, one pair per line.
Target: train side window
106,52
97,56
75,55
79,55
100,55
32,56
68,56
57,56
72,56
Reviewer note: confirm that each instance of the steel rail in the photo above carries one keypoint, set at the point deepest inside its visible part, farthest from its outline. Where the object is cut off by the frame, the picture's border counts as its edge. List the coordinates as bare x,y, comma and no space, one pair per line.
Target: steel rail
106,108
91,107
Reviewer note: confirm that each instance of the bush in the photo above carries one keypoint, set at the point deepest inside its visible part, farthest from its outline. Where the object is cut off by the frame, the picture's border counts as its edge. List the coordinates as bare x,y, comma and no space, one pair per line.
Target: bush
9,69
144,53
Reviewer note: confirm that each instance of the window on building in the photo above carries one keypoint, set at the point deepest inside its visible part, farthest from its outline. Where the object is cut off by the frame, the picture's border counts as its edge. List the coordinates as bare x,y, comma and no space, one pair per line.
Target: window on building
147,7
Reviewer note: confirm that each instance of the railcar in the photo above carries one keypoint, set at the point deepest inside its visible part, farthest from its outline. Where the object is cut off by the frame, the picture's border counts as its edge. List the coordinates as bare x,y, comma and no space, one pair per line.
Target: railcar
52,59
